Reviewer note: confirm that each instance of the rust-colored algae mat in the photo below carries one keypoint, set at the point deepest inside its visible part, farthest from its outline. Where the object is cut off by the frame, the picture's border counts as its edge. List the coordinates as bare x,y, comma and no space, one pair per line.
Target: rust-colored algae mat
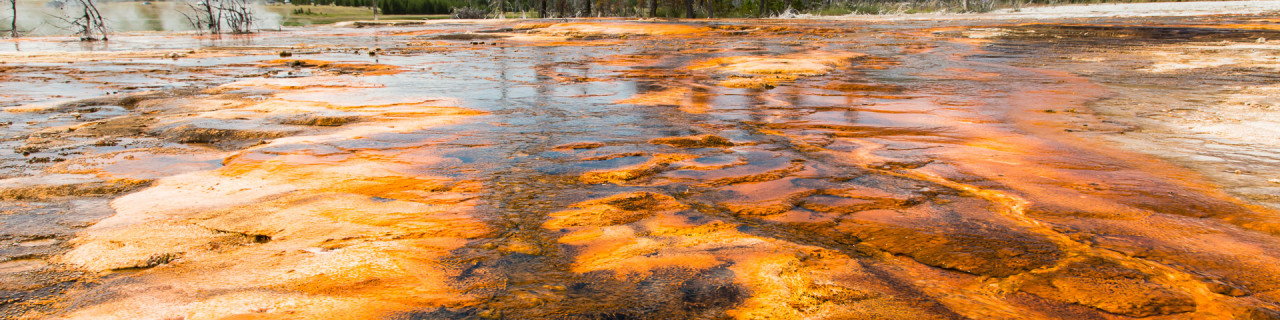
1107,168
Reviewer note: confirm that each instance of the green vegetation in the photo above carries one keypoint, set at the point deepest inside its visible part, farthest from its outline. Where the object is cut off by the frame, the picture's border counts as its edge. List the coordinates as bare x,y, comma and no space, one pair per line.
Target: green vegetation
402,6
301,15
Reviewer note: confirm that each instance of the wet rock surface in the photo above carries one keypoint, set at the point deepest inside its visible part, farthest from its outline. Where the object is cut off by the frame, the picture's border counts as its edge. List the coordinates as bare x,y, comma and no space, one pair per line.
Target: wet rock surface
1110,287
610,169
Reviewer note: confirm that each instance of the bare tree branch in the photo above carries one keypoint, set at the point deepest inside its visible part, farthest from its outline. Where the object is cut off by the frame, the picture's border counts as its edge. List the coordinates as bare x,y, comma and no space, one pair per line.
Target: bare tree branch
13,23
195,17
239,15
84,20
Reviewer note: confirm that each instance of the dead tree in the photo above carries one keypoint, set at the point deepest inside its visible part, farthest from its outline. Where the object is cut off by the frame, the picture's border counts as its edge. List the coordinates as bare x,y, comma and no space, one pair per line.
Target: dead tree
85,20
13,24
200,16
203,16
238,15
213,16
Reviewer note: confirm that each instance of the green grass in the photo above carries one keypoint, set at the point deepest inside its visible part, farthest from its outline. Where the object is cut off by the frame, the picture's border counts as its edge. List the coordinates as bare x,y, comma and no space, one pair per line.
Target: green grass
858,8
333,14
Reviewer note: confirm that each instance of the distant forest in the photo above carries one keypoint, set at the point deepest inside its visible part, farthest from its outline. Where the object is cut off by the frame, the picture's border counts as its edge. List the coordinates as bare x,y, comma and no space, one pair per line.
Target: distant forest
400,6
685,8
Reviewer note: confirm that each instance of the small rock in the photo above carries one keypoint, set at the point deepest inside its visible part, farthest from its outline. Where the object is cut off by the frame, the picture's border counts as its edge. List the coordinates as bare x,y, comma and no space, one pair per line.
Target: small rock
285,54
1262,40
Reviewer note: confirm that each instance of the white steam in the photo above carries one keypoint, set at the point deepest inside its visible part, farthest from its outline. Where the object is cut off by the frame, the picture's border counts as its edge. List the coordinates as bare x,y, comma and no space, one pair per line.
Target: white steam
40,17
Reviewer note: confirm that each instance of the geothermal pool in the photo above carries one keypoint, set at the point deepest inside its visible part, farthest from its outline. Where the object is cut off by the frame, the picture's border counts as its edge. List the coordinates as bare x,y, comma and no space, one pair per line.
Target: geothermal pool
1101,168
